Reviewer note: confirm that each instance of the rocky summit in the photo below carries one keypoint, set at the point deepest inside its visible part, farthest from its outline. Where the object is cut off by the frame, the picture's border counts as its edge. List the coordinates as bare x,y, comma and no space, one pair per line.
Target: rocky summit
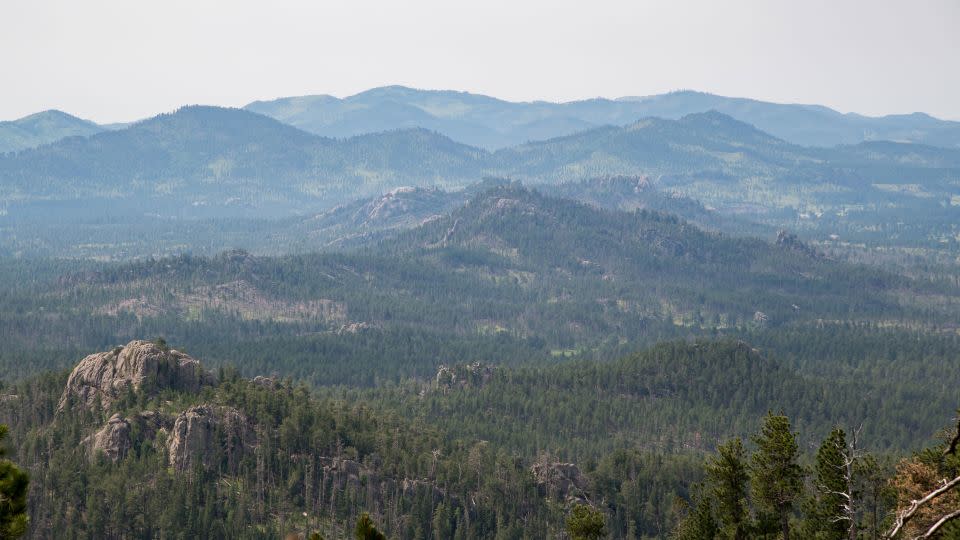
101,378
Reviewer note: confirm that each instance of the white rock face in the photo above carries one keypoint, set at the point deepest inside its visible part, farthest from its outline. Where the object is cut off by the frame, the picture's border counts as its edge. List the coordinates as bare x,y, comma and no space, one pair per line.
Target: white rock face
140,365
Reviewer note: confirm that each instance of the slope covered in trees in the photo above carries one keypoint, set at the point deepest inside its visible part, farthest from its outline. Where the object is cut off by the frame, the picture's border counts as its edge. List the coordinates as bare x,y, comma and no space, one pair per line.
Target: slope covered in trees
670,398
475,453
262,458
530,274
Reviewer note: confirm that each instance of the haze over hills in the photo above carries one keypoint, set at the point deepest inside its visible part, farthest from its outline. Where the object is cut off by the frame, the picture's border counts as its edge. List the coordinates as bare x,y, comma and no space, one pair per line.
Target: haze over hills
42,128
227,160
738,169
208,162
492,123
131,236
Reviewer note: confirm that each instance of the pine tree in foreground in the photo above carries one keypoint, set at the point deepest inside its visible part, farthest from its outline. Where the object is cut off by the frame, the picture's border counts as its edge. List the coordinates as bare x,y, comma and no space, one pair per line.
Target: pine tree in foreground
366,530
586,523
777,477
13,495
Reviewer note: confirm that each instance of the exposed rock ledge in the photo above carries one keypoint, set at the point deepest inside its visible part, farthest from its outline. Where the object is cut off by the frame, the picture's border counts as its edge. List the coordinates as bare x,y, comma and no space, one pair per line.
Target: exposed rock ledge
140,365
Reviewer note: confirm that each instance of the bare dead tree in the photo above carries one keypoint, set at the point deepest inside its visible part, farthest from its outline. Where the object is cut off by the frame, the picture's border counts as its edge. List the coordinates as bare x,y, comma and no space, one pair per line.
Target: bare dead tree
946,486
850,455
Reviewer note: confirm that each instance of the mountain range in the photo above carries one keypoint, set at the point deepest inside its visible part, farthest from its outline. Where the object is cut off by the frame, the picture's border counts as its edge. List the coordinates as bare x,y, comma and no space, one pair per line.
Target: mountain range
492,123
211,162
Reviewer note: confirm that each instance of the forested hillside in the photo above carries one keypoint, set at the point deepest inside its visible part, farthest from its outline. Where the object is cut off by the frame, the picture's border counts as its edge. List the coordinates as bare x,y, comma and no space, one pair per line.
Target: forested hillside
671,398
232,458
476,452
353,223
537,276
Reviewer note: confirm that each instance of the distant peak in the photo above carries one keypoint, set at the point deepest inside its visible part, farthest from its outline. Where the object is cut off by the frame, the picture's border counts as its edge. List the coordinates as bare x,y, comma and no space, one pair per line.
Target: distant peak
51,114
712,115
390,90
48,112
671,94
715,118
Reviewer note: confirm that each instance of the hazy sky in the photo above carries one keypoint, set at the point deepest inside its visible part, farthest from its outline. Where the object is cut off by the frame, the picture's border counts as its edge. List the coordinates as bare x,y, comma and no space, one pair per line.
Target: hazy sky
127,59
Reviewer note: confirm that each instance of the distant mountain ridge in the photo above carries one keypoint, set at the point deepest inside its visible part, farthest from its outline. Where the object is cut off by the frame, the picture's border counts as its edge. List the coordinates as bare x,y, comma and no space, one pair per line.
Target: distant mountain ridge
492,123
212,162
211,157
42,128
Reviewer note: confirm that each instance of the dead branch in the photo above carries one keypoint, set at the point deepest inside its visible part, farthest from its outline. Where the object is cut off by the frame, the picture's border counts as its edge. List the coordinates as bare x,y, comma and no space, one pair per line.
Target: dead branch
909,513
936,526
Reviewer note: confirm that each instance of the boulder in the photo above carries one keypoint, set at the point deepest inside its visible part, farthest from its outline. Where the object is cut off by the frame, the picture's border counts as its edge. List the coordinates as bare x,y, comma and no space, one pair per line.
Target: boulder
140,365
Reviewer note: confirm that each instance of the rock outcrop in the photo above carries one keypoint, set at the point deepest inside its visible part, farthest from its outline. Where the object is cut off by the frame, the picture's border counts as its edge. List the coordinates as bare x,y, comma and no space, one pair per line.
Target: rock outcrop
115,439
210,436
791,241
112,440
473,375
350,475
140,365
560,481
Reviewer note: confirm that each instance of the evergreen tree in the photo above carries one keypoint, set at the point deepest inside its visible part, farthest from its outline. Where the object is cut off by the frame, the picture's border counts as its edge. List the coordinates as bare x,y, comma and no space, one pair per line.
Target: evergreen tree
699,523
13,495
586,523
826,519
366,530
728,477
776,475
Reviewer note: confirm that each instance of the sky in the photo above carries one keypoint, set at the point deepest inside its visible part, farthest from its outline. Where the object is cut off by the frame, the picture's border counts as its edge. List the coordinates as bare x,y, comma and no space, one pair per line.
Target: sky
120,60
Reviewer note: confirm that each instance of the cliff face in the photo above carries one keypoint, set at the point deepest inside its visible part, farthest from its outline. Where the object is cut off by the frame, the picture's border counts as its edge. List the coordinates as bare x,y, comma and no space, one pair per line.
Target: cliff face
140,365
